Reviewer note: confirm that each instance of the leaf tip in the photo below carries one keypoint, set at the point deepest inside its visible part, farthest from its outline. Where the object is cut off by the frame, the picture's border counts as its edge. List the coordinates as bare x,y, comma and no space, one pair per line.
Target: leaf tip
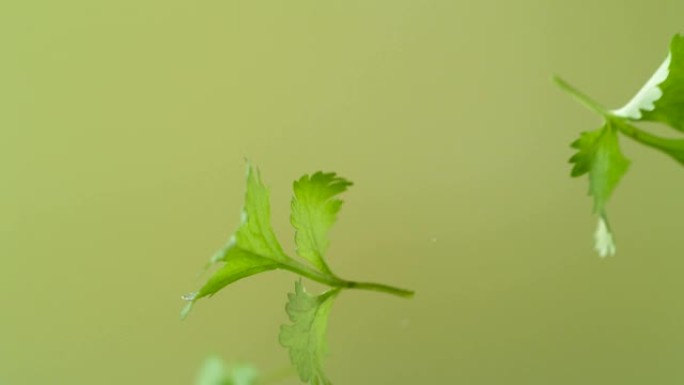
186,310
557,80
190,298
605,242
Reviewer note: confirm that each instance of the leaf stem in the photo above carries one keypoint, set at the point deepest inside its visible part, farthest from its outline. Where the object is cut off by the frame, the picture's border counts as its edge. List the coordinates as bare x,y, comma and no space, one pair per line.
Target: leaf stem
334,281
581,96
646,138
381,288
673,147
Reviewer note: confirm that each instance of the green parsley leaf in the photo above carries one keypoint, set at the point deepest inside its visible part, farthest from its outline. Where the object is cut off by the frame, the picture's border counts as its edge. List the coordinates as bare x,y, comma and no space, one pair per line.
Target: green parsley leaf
255,234
661,99
314,211
254,248
305,338
599,156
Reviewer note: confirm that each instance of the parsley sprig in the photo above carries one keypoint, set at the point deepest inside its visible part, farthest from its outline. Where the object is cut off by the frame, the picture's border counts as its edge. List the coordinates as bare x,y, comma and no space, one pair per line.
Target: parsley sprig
598,155
254,249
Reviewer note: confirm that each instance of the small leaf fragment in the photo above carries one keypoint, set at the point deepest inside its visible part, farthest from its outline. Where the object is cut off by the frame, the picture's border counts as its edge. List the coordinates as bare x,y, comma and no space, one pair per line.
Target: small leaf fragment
314,211
305,337
604,241
599,156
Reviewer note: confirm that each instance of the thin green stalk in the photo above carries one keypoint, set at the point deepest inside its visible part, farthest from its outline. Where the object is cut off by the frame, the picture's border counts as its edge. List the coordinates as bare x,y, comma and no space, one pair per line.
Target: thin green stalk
646,138
333,281
381,288
673,147
581,96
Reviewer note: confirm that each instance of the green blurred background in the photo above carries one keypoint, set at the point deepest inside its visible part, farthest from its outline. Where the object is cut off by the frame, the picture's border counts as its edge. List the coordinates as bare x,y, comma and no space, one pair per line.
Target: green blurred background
123,129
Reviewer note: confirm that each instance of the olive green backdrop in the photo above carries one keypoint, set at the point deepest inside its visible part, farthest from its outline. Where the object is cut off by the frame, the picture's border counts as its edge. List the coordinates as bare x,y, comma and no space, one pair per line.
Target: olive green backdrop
123,131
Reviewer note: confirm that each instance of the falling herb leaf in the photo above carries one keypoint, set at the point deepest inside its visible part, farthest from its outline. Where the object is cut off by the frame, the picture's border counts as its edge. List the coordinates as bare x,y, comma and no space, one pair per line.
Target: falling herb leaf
661,99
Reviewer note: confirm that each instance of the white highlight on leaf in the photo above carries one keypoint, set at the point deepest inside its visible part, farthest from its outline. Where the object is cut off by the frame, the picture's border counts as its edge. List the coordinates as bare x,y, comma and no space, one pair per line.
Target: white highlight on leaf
605,245
189,297
648,94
